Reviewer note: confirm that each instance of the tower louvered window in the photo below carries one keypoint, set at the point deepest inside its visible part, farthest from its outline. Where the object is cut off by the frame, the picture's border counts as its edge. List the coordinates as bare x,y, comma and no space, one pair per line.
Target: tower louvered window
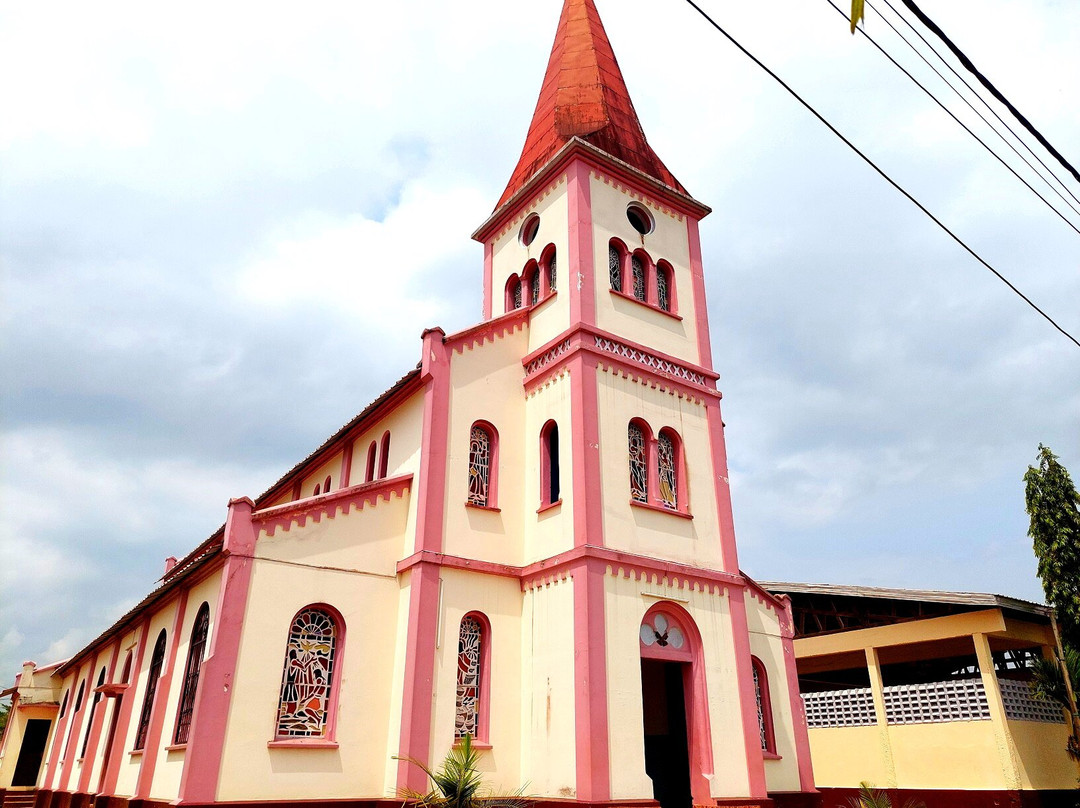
467,711
479,466
615,267
669,483
196,649
306,680
156,661
637,270
639,467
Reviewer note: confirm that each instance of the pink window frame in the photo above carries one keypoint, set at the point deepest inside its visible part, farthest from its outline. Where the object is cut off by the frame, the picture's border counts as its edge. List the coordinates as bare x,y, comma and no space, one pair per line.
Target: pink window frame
652,460
695,693
483,703
511,282
766,706
650,481
184,693
384,454
650,272
546,497
545,263
624,259
329,736
492,503
530,285
369,467
667,269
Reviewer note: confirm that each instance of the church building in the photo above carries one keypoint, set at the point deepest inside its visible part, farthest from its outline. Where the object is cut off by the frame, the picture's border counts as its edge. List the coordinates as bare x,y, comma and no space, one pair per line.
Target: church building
527,540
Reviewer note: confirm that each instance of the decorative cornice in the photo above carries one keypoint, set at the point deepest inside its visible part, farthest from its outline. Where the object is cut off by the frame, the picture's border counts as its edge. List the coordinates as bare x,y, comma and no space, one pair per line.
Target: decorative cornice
328,505
488,331
636,192
515,221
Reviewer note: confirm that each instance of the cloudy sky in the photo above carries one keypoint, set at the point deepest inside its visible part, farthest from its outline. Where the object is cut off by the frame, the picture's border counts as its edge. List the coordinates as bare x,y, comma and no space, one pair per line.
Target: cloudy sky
203,214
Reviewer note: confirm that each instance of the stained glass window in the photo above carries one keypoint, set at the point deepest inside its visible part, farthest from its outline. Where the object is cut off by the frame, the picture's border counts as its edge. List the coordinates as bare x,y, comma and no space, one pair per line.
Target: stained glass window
639,468
637,269
467,714
662,299
156,661
517,294
615,267
191,673
534,286
306,680
669,484
479,465
760,709
551,272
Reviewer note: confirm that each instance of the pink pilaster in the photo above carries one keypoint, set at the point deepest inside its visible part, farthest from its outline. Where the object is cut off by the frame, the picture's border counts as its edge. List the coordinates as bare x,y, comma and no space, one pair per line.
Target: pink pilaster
722,486
798,709
95,726
590,682
744,674
581,282
152,750
697,280
206,739
585,431
72,750
123,721
51,780
431,493
489,293
419,685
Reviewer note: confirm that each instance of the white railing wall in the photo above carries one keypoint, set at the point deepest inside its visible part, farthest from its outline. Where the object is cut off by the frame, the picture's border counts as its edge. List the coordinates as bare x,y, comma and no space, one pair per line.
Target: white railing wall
935,702
1021,704
840,708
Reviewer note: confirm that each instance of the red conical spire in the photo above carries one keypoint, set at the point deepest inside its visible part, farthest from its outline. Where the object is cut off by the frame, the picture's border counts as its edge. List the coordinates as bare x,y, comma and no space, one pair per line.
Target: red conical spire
584,95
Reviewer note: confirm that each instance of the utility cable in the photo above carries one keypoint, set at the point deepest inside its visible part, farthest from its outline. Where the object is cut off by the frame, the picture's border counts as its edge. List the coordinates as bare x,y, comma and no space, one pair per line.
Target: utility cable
880,171
949,112
974,92
985,82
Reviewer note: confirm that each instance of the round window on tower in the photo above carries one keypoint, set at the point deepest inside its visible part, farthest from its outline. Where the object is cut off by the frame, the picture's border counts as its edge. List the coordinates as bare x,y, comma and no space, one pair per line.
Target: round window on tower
529,228
639,218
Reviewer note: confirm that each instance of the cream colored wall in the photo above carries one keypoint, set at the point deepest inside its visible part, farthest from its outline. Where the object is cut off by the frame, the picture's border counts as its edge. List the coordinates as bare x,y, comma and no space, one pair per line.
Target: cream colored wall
767,645
13,738
368,604
626,601
330,468
638,530
406,426
509,256
92,670
845,756
551,532
668,241
499,600
548,762
170,763
1044,764
485,384
130,762
92,757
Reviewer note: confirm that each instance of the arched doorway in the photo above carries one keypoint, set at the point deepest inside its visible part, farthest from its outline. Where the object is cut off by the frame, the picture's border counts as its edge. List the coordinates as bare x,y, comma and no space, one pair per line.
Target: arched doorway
678,748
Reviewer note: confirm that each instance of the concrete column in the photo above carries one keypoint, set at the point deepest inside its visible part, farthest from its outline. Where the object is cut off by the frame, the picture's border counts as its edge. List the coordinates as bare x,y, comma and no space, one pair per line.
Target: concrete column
1007,754
877,687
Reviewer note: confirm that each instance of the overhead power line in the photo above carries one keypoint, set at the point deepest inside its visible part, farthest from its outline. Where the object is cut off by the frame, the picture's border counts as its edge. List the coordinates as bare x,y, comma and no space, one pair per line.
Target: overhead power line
965,127
985,82
880,171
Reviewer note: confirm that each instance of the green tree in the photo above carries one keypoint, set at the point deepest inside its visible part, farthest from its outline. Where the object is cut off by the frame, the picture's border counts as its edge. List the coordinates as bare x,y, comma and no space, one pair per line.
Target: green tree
5,711
1054,507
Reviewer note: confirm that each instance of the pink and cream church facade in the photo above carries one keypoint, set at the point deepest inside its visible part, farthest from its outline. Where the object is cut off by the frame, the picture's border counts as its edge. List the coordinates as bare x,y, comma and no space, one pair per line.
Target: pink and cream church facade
527,539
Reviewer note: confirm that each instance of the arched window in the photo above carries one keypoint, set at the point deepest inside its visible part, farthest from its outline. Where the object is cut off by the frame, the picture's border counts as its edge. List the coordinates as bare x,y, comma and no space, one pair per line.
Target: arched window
63,704
483,465
74,712
309,678
473,674
549,464
369,470
196,648
551,273
764,706
90,716
156,661
384,454
615,267
513,293
326,485
531,276
637,273
317,491
663,286
667,469
639,463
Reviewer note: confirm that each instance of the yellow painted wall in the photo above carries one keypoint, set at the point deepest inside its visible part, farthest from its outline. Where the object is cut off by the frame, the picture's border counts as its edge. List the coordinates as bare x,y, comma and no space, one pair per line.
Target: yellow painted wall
368,603
486,385
845,756
498,599
13,738
1043,761
955,754
547,690
643,531
668,241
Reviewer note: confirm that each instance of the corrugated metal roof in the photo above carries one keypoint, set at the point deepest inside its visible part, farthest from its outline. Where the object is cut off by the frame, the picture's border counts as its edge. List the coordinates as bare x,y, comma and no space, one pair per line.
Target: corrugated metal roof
926,595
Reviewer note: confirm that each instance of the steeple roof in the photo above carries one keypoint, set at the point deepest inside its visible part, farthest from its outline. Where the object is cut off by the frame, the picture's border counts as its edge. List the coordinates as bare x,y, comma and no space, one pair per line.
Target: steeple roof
584,95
